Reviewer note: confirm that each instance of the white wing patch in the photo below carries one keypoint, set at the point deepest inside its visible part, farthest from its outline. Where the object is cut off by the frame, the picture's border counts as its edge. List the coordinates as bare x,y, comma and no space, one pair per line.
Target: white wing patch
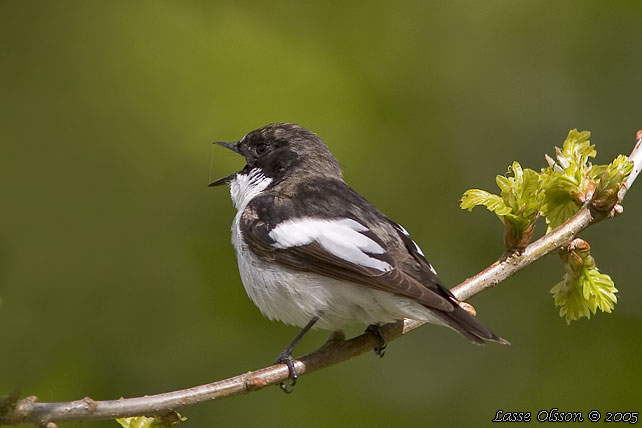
341,238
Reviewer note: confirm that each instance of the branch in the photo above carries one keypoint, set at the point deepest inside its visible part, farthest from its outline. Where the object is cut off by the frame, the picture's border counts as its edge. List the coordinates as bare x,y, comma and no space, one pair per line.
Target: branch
636,158
28,411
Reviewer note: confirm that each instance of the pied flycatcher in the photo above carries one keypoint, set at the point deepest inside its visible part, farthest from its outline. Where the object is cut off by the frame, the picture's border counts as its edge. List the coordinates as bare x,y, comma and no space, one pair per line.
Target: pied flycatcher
313,252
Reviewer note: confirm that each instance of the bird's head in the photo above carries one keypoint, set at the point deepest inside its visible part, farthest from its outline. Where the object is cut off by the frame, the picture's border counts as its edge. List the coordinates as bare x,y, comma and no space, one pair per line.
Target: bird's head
280,150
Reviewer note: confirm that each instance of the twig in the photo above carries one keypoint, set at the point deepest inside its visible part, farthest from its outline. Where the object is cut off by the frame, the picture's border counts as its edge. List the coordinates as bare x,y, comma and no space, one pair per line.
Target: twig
335,350
636,158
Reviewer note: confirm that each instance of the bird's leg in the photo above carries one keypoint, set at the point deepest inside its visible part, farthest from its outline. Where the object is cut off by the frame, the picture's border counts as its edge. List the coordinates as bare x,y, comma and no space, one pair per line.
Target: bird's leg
375,330
285,357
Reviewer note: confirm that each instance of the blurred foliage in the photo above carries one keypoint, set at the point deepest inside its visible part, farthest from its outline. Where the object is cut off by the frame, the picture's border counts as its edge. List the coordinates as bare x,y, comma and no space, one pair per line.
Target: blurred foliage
112,241
558,193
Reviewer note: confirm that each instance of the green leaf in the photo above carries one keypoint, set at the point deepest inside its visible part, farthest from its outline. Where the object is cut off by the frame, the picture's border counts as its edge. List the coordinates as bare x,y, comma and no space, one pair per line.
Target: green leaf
518,207
558,208
531,187
169,420
568,296
577,149
599,290
566,183
611,180
504,183
139,422
474,197
583,289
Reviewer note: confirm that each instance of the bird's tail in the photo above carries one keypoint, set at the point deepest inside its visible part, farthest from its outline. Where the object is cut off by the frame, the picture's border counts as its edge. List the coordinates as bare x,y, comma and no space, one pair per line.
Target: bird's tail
469,326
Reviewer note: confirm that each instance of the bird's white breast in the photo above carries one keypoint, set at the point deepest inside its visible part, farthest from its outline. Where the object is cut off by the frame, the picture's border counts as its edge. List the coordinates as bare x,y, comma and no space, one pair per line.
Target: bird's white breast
244,187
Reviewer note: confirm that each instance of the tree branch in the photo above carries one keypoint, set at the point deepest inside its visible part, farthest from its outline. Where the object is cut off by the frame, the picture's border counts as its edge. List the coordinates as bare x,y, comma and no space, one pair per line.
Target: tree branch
14,411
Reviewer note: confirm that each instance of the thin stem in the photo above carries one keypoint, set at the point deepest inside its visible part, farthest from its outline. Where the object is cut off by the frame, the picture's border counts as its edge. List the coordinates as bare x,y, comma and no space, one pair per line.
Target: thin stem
636,158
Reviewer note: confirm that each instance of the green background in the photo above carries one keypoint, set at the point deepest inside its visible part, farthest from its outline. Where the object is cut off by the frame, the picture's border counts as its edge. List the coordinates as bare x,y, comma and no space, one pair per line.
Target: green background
117,277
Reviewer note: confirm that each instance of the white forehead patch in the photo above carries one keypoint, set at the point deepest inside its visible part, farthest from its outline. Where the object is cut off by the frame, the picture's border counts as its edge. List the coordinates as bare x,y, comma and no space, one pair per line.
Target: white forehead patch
341,238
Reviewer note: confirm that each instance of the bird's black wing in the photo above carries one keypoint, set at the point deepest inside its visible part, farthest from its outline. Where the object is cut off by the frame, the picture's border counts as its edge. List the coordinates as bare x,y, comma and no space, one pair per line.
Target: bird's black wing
360,246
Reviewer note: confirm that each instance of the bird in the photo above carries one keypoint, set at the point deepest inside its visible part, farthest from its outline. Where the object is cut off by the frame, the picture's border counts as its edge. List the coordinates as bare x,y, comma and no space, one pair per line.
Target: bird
314,253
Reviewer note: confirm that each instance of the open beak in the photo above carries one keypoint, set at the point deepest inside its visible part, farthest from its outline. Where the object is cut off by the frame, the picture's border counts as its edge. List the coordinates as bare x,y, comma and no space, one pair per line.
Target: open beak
222,180
231,146
229,178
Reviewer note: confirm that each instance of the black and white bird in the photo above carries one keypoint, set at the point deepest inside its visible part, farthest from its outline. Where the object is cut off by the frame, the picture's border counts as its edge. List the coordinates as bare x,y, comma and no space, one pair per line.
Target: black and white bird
313,252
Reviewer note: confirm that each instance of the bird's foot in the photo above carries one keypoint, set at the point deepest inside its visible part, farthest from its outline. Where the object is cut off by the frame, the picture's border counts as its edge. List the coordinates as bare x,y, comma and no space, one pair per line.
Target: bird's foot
286,358
375,330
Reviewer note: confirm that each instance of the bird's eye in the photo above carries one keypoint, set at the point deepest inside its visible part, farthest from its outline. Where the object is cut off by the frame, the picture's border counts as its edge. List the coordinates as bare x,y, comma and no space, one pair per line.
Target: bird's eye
261,148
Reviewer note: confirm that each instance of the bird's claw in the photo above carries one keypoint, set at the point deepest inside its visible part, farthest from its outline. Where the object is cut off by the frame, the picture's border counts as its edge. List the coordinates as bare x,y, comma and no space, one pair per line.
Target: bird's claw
293,376
380,348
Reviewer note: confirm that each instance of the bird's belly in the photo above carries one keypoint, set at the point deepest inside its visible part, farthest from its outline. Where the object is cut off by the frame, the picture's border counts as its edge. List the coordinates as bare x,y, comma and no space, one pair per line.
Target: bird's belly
295,297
